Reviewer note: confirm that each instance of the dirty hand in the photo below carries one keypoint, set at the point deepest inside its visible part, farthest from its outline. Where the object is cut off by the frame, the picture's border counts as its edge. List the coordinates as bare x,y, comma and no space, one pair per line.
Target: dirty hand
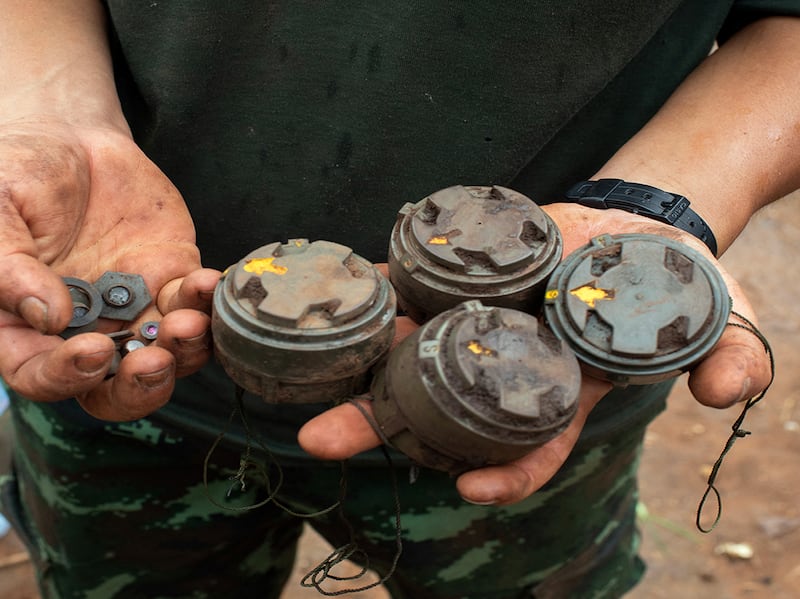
737,369
79,201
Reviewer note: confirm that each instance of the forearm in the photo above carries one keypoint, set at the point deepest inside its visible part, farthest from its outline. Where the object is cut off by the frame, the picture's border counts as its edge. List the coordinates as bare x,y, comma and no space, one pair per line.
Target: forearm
729,137
55,63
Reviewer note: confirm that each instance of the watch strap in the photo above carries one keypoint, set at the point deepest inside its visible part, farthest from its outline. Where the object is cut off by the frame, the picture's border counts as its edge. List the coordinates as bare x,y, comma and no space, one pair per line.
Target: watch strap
645,200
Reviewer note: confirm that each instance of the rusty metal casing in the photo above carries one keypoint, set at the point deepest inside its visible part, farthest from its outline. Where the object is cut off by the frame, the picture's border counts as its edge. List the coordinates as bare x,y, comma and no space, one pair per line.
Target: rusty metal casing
488,243
637,308
476,385
302,322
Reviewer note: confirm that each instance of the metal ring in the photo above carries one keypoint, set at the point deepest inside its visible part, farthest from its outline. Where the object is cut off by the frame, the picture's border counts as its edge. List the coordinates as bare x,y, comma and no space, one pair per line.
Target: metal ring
85,295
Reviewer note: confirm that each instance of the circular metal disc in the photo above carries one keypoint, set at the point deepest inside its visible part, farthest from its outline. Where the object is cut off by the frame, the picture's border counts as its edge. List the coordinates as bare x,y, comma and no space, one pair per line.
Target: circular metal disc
302,322
476,385
461,243
479,230
305,285
637,308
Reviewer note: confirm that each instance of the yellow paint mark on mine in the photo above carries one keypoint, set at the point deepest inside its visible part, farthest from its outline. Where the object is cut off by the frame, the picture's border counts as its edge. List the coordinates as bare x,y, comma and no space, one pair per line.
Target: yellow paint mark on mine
590,295
259,266
438,240
476,348
551,294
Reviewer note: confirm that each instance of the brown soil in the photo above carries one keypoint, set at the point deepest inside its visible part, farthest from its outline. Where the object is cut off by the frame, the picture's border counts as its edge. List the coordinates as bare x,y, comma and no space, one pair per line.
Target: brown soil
759,480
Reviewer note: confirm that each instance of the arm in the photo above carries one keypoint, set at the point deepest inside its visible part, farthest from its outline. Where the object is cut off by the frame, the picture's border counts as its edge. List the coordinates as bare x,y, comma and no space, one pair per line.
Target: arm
729,140
56,63
77,198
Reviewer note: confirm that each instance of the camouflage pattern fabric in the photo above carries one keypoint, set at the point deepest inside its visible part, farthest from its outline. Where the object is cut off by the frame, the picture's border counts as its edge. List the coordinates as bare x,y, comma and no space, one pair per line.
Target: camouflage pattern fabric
120,510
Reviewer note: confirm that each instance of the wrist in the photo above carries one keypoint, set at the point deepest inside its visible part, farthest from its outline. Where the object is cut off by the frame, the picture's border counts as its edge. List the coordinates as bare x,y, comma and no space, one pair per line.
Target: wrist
716,201
56,65
579,224
66,102
645,200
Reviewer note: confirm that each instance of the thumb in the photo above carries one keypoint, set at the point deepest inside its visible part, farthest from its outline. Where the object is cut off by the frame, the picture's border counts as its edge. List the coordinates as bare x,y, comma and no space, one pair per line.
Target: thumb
738,369
740,366
28,288
43,186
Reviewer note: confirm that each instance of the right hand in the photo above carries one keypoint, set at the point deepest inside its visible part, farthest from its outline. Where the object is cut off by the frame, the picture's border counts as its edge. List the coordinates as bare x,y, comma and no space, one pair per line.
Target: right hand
737,369
77,201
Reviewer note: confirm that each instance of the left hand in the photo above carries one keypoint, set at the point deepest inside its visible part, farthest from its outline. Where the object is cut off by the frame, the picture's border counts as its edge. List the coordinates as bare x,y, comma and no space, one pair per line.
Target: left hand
79,201
737,369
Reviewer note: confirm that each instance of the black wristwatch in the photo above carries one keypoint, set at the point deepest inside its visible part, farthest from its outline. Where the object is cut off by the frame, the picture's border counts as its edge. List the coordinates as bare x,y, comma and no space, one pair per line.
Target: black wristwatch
663,206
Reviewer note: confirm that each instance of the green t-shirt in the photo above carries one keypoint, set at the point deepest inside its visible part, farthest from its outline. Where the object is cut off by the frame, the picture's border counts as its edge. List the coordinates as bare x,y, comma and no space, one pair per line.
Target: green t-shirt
284,119
319,120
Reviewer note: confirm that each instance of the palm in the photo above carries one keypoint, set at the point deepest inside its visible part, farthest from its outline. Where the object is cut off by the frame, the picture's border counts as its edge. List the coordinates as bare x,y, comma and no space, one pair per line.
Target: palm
737,360
116,210
79,202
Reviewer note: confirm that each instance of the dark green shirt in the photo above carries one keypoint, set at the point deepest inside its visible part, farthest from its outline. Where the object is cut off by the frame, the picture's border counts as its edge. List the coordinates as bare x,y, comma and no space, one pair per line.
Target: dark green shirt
320,119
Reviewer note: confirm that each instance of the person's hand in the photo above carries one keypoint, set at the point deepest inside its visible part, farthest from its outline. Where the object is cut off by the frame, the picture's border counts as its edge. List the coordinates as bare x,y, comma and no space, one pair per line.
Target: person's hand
78,202
737,369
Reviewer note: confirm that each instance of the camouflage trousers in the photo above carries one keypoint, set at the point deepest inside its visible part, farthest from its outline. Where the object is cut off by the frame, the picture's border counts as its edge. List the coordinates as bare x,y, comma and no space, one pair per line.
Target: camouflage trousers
122,510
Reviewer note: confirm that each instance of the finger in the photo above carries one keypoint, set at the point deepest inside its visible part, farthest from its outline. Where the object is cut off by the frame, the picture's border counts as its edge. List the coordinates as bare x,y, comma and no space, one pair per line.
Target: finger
513,482
339,433
50,369
32,291
143,384
195,291
187,335
736,370
732,373
403,327
738,367
383,267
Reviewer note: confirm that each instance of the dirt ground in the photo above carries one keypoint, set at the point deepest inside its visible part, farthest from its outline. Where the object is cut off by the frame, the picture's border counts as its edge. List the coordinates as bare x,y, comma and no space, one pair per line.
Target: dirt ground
755,550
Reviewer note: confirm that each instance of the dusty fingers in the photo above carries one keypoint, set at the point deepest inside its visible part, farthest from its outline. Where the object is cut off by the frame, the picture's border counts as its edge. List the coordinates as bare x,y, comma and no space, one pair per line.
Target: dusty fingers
512,482
739,367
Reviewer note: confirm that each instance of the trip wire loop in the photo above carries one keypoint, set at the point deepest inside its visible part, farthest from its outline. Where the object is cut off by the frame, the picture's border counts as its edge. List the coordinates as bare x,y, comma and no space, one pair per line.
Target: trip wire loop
737,431
249,466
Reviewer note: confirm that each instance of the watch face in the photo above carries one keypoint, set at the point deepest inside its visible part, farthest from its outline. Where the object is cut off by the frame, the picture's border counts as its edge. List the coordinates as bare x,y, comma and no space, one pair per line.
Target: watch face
637,308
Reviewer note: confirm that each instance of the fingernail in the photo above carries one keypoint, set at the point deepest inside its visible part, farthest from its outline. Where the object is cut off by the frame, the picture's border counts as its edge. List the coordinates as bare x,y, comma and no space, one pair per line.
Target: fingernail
155,379
93,363
490,502
34,311
746,393
192,344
